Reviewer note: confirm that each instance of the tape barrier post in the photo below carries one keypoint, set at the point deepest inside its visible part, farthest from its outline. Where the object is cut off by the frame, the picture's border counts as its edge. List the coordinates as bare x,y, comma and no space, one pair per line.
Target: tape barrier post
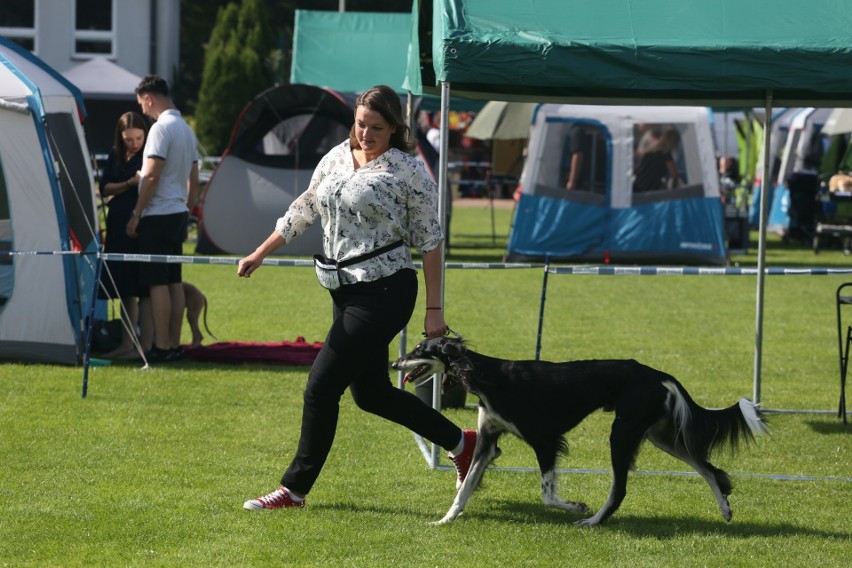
90,326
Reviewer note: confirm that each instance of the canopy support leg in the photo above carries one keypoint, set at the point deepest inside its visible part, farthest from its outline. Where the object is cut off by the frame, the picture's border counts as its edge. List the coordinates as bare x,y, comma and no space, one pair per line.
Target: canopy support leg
765,184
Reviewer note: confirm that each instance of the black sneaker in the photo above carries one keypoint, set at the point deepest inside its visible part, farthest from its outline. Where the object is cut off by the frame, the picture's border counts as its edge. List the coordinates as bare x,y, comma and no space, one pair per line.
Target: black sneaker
175,354
157,355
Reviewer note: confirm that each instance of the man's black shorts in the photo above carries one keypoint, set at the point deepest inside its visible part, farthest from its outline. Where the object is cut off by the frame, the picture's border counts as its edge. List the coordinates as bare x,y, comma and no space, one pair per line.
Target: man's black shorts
161,234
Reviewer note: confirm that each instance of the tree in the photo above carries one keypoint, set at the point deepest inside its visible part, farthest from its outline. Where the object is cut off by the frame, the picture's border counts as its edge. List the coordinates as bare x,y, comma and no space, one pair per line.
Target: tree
233,71
197,18
249,49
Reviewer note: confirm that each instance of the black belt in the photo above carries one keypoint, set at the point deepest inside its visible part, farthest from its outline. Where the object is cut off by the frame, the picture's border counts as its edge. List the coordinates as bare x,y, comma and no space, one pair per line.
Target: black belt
369,255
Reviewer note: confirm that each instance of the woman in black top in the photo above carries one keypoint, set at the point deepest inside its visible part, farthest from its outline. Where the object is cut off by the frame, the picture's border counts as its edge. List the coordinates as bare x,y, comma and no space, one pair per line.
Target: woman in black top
119,183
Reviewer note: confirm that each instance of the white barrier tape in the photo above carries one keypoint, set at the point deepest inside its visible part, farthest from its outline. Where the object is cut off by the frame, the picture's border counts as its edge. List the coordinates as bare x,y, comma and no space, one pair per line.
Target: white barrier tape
184,259
690,271
575,270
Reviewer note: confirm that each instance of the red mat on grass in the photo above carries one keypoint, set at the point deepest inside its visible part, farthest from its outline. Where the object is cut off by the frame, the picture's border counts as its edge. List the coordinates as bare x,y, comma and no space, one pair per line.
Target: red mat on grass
298,352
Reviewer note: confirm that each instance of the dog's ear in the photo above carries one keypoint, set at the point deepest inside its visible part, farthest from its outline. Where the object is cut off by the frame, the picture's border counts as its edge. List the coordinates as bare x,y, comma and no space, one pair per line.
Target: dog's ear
452,347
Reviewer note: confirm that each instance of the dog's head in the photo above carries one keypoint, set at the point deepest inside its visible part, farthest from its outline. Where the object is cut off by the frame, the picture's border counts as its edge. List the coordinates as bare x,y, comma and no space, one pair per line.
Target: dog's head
435,355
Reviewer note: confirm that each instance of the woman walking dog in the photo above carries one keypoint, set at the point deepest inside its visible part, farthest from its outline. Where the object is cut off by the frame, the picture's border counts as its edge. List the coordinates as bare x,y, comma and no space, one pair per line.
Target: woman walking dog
374,201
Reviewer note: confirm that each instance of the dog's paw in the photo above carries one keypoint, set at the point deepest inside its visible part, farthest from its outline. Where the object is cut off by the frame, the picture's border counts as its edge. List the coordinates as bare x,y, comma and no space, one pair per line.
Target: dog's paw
572,506
592,521
577,507
448,518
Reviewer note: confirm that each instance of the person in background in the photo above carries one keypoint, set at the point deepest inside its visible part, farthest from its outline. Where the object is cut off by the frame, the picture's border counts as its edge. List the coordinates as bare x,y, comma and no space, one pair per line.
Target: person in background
433,135
167,192
374,200
644,136
119,279
587,165
657,168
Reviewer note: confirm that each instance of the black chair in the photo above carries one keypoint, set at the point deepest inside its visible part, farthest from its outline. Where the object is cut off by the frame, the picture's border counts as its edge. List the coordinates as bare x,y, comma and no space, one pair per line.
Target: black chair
843,348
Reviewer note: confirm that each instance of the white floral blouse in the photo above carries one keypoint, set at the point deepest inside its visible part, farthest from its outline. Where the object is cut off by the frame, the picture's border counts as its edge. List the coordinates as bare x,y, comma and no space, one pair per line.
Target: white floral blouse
389,199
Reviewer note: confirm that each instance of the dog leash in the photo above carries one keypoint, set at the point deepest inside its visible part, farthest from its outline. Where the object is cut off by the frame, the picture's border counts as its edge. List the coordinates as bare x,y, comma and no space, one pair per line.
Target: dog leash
447,332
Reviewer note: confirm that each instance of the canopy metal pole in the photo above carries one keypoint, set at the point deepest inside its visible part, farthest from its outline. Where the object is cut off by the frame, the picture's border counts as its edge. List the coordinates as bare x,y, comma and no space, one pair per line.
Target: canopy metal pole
765,184
442,212
403,335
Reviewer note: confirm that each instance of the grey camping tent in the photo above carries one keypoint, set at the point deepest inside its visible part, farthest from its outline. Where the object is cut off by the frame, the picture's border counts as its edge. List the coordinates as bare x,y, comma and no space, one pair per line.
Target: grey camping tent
47,213
277,141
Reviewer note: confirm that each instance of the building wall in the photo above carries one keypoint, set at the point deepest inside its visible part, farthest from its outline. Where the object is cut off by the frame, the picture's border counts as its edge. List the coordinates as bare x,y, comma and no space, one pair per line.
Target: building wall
137,46
167,55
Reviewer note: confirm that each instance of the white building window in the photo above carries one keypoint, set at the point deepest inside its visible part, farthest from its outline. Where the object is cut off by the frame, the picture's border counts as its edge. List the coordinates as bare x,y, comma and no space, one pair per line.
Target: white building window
94,28
17,22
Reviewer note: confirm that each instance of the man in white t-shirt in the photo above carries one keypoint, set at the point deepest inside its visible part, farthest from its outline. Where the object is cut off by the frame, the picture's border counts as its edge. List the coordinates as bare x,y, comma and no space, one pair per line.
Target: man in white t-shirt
167,192
433,135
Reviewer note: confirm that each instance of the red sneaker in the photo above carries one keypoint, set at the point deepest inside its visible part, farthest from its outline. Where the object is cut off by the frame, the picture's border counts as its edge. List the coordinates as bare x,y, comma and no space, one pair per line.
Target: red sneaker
463,460
278,499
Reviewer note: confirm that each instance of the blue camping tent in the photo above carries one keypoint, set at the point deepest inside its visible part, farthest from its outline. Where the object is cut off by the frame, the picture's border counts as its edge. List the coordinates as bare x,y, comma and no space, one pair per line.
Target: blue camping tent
601,217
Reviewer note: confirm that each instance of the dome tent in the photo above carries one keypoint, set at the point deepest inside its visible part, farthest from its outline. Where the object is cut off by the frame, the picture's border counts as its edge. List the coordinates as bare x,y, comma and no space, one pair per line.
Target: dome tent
47,204
276,143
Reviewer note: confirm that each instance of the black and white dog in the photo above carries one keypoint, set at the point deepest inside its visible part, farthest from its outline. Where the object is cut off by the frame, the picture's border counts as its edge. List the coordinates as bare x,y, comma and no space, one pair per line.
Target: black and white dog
539,402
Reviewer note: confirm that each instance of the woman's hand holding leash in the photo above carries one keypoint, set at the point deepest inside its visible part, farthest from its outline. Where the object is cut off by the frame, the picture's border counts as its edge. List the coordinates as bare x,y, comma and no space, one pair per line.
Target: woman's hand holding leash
434,324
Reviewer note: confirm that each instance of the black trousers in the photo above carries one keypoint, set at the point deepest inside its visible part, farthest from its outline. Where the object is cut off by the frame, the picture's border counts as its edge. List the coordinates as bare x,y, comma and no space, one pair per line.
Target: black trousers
367,316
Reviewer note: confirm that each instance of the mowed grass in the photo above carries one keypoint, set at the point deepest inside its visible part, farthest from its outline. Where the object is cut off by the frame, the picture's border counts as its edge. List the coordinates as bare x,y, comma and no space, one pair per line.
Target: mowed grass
152,467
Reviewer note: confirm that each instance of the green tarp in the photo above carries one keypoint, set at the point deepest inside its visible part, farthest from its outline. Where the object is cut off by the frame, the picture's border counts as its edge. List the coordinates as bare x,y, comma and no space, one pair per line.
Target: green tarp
716,52
350,51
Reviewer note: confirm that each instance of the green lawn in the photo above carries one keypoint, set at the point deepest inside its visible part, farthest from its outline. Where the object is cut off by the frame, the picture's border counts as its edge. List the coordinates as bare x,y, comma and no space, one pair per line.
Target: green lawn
152,468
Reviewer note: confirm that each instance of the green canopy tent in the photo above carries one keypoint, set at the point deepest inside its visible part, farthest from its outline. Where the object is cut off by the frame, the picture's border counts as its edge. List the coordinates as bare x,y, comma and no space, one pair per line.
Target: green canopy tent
735,53
721,53
350,52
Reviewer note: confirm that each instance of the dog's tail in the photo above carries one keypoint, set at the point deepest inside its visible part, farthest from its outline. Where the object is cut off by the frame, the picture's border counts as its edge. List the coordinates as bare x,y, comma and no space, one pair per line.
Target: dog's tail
701,430
205,321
